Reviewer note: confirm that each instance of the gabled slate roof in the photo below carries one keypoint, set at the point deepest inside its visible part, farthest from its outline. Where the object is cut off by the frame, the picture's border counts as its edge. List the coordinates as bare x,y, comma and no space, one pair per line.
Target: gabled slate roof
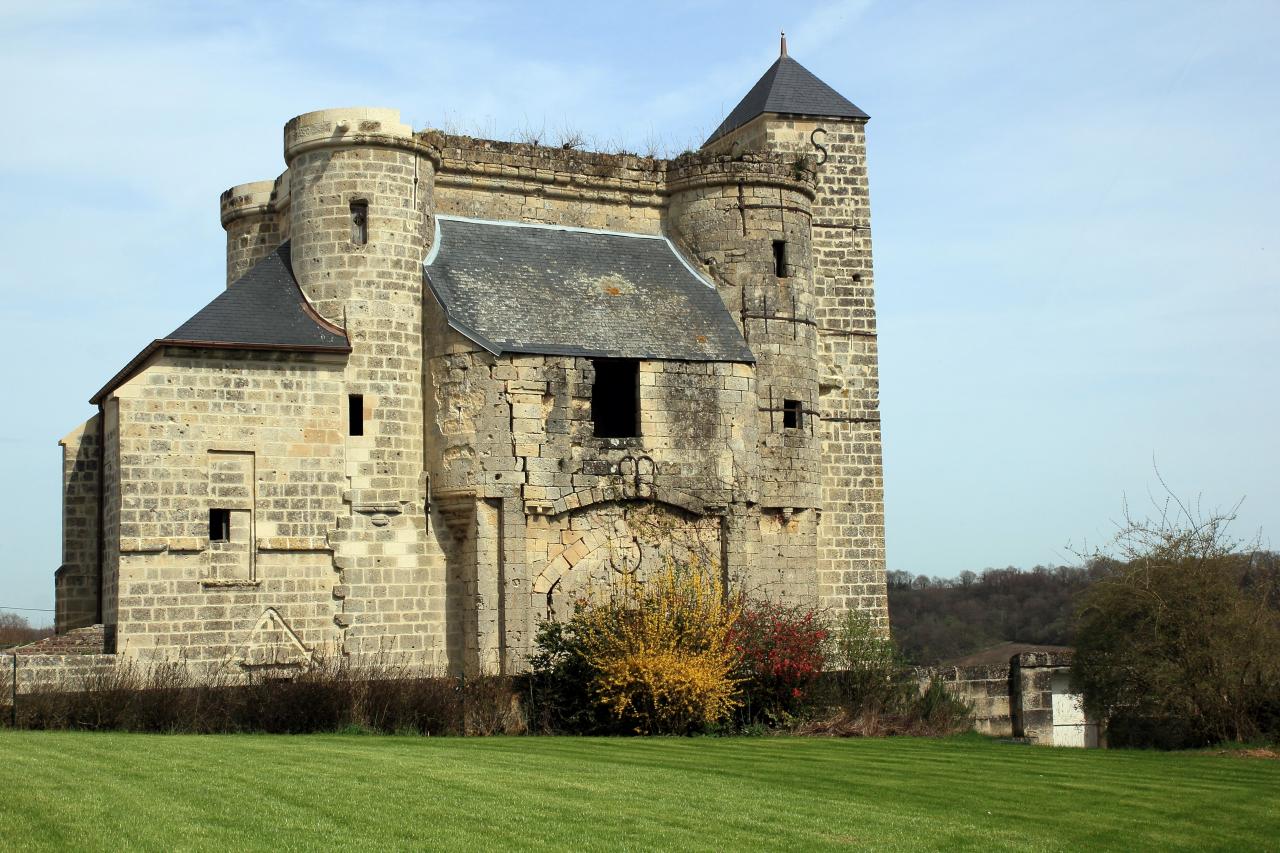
262,310
788,88
512,287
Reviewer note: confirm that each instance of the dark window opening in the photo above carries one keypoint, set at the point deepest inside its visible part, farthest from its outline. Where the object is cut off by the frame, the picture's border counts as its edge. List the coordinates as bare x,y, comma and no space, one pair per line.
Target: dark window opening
359,222
615,398
780,258
792,414
355,414
219,525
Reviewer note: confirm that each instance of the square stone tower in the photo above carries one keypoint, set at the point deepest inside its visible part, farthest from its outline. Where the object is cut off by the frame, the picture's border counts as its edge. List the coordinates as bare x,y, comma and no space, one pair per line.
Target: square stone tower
791,112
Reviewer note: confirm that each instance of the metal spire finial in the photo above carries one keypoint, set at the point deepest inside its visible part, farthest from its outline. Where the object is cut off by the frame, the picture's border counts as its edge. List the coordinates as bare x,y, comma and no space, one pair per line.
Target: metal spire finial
784,44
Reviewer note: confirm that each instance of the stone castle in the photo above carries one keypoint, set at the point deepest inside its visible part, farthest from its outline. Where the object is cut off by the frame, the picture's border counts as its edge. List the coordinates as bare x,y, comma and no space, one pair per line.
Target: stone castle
452,382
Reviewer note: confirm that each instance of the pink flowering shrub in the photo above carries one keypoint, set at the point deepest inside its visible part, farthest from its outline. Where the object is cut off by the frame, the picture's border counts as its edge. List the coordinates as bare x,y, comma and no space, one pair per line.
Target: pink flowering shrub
783,650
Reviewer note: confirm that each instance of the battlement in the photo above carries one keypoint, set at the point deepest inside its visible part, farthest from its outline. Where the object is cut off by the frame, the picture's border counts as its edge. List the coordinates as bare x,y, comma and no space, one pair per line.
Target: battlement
351,126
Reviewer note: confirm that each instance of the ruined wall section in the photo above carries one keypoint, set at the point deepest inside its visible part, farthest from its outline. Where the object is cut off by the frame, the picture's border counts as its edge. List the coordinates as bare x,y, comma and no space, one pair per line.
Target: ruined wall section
851,536
486,179
77,584
516,465
259,435
360,186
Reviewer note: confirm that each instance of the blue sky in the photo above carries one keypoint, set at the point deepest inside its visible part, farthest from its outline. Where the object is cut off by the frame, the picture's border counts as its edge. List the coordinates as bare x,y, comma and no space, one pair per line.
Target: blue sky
1074,211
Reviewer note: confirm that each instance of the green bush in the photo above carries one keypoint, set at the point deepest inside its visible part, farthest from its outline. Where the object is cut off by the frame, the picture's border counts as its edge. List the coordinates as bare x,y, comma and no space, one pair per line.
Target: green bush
870,690
1178,643
560,678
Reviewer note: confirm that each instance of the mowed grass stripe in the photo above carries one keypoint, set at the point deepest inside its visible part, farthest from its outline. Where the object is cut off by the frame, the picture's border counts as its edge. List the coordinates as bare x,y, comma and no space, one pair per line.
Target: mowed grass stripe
65,790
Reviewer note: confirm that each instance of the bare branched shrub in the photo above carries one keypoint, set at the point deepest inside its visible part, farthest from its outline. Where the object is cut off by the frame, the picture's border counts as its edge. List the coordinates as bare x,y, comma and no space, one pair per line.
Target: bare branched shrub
570,139
1178,642
530,135
870,691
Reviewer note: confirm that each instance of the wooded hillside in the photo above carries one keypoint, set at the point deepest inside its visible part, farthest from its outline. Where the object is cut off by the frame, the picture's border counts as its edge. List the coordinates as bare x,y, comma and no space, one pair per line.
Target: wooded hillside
935,619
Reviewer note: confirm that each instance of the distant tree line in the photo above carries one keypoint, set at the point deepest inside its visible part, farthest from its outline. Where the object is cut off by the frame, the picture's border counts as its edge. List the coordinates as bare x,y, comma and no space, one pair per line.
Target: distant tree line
935,619
16,630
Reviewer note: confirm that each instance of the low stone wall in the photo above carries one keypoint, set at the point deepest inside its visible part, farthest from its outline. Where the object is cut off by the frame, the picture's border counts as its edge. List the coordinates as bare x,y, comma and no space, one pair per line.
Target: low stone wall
43,672
1015,699
984,688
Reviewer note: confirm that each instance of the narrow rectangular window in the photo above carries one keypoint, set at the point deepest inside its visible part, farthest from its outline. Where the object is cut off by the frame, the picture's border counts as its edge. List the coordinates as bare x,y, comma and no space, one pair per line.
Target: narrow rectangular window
792,414
615,397
780,258
219,525
355,414
359,222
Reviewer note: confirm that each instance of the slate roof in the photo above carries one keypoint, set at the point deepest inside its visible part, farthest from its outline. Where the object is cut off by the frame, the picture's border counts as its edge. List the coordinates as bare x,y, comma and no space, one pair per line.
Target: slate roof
512,287
790,89
262,310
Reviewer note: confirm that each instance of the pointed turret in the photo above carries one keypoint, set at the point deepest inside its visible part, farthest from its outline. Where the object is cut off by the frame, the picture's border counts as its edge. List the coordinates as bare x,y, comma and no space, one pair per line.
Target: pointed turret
788,88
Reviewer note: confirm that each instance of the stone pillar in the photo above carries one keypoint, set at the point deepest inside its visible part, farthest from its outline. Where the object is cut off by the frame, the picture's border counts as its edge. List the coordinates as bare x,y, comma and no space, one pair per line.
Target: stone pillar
77,583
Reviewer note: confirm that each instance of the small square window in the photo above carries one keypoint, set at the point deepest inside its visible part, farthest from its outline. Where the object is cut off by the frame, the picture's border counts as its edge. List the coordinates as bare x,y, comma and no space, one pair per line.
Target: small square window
219,525
792,414
615,398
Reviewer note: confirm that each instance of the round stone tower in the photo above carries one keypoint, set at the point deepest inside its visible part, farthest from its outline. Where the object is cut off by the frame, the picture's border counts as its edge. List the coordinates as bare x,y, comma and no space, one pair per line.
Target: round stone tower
360,187
360,207
250,216
747,220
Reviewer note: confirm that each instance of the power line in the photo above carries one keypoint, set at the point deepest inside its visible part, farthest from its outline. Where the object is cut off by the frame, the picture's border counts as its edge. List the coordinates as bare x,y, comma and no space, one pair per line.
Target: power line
33,609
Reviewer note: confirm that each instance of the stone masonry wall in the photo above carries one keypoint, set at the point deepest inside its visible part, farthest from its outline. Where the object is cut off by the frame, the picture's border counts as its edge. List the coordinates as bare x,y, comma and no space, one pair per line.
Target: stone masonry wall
520,478
485,179
985,688
260,434
76,582
110,514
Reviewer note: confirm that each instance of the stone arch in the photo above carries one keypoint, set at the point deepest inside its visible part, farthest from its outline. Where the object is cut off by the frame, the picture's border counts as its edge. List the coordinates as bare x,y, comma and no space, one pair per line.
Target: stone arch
584,498
610,538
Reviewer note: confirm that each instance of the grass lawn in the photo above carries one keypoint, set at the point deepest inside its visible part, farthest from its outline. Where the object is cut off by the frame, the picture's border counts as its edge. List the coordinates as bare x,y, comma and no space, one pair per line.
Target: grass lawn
82,790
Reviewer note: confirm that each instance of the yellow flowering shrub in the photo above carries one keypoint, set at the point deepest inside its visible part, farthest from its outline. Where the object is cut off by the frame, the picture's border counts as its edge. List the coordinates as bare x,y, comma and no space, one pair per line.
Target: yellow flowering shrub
663,651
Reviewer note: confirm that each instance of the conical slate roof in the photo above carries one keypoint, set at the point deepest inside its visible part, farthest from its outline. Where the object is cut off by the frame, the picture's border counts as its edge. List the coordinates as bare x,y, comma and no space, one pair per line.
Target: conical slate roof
263,308
790,89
